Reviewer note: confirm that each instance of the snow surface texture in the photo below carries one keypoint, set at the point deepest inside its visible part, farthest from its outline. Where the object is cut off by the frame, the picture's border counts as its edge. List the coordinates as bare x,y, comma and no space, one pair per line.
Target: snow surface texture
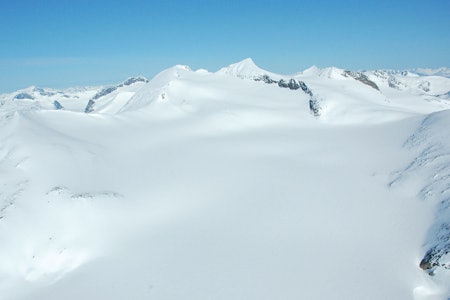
239,184
432,140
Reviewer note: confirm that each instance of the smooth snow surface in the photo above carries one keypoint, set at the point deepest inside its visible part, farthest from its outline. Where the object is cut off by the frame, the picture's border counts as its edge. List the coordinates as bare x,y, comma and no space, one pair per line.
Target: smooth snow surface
201,185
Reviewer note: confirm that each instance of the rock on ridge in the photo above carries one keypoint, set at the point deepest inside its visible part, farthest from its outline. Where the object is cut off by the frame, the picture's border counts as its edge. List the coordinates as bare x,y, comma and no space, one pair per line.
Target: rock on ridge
293,84
108,90
361,77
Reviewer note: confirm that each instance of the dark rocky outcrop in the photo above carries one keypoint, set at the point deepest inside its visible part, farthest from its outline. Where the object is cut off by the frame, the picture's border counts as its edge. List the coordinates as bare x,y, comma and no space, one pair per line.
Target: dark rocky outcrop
432,259
89,107
361,78
266,79
43,92
314,106
23,96
393,83
108,90
305,88
57,105
133,80
293,84
104,92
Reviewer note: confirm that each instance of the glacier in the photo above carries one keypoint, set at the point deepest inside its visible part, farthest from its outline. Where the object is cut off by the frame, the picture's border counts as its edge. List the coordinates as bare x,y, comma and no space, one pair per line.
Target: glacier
235,184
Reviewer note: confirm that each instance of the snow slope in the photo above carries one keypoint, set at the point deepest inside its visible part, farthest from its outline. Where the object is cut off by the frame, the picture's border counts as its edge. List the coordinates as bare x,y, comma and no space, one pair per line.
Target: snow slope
431,141
226,185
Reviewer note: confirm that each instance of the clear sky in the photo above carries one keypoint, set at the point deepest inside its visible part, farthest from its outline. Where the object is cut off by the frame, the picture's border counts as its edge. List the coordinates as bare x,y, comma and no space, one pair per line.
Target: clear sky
61,43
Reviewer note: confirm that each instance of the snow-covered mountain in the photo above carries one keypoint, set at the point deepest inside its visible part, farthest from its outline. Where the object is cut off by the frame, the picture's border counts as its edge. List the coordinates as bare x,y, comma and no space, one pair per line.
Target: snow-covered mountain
337,89
235,184
444,72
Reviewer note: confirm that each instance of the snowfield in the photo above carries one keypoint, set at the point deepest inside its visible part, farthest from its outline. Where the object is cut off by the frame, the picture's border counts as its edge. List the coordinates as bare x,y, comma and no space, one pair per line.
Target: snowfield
238,184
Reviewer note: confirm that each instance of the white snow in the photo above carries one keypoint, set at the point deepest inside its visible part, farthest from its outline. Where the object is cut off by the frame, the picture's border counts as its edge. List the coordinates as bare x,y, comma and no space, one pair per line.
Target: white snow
200,185
246,69
443,71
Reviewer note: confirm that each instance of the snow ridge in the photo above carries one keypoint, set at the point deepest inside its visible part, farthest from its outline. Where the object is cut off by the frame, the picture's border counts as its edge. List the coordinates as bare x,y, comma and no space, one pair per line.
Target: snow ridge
293,84
108,90
432,164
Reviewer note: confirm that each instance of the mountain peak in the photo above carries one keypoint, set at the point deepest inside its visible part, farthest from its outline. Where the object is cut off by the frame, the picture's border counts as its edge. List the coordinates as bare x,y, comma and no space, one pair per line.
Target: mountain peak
313,70
244,69
247,62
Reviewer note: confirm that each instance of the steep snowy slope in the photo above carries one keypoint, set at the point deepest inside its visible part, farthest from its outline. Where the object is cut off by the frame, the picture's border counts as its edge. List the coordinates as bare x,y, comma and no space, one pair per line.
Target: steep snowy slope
226,185
111,99
431,141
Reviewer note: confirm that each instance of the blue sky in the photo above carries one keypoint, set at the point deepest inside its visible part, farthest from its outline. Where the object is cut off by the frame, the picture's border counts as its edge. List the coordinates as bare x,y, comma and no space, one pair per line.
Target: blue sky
76,42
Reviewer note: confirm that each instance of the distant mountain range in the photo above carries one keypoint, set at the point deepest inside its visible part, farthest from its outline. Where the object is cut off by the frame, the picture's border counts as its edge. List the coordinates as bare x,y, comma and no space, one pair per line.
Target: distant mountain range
427,84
